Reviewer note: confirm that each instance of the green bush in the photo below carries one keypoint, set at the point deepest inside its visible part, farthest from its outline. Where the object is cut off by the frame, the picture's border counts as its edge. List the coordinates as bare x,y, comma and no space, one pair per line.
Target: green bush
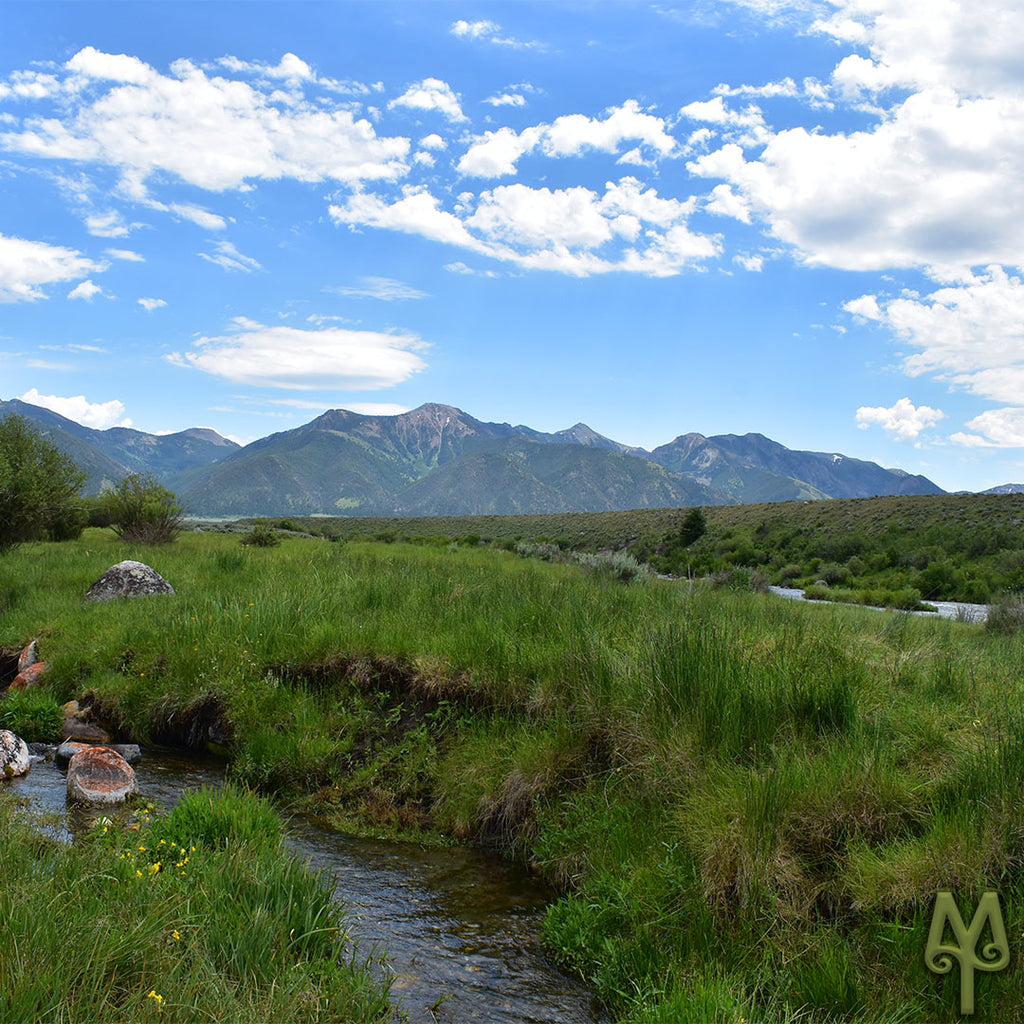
35,716
38,484
939,580
262,536
68,524
143,511
835,575
740,577
789,572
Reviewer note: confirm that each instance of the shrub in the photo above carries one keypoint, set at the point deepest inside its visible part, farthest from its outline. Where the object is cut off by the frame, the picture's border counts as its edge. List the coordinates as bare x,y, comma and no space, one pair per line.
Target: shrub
262,536
35,716
835,575
38,484
856,565
68,524
543,550
740,577
939,580
976,591
906,599
1010,566
143,511
1006,615
614,565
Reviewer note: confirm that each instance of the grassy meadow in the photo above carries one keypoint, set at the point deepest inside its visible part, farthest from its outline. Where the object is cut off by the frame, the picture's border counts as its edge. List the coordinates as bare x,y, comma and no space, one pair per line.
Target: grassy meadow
894,551
747,804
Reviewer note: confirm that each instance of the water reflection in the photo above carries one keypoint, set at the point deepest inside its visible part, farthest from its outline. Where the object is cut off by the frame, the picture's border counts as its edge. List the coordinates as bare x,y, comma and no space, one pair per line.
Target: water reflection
461,929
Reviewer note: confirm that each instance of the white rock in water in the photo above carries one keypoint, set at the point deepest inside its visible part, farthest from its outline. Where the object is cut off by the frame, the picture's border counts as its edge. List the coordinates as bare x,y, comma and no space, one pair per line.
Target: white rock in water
15,758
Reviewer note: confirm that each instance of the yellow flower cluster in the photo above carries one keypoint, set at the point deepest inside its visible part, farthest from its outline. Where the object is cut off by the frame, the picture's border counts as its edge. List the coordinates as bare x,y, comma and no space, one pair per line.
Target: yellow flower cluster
156,866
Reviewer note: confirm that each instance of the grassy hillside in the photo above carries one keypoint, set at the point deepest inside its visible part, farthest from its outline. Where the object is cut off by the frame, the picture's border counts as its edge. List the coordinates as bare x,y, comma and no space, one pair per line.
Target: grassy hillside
748,805
946,547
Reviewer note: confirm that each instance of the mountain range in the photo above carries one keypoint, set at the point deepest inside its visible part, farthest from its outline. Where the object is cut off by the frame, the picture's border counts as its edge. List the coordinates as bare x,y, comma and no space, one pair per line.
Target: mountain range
438,460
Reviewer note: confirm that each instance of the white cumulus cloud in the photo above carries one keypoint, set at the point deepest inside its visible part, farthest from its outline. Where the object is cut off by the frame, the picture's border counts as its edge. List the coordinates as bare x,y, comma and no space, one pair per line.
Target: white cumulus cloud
932,181
574,231
496,153
214,132
970,333
99,415
85,290
25,266
431,94
149,304
506,99
332,358
903,420
996,428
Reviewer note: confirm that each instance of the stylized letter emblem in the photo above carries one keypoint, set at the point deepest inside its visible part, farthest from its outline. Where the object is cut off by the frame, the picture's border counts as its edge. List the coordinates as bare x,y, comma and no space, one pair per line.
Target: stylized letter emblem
995,955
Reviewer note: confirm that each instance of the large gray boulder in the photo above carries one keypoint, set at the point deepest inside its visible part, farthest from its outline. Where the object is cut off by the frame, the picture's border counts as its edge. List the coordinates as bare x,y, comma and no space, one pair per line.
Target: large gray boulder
15,758
99,775
128,579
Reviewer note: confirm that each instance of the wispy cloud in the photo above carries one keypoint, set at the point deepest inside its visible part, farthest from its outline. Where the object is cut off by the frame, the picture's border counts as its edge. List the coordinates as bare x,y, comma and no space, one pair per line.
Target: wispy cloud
384,288
225,255
489,32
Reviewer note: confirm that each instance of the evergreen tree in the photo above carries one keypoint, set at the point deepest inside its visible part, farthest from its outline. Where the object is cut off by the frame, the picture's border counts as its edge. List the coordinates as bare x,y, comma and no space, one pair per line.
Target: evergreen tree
693,528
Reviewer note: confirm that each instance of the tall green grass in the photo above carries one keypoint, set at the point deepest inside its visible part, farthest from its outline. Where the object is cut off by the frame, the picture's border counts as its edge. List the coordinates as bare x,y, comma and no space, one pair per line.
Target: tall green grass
201,916
747,804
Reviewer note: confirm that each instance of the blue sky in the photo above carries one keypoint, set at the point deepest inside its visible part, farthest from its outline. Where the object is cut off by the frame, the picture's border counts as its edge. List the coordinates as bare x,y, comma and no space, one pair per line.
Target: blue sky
799,218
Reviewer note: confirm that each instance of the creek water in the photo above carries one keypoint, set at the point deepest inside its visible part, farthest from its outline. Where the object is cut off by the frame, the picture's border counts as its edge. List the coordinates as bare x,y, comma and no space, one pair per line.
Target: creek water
460,927
960,610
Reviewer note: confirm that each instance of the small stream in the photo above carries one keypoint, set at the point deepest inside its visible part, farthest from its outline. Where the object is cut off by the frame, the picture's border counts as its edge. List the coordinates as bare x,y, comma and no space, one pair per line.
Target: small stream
460,927
960,610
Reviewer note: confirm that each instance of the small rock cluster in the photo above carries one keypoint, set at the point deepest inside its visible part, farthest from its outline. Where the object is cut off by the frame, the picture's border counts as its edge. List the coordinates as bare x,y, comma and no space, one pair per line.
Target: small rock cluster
98,772
31,668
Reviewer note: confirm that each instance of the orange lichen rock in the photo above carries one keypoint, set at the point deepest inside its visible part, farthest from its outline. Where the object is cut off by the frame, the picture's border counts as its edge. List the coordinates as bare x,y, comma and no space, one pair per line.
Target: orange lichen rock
100,775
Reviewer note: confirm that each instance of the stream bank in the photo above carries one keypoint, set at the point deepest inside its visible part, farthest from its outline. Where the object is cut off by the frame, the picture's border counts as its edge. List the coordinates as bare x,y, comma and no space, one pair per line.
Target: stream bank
457,930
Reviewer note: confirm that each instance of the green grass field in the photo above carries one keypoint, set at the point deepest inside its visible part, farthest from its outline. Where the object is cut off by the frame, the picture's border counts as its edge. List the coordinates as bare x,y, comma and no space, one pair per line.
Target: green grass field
748,805
865,550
